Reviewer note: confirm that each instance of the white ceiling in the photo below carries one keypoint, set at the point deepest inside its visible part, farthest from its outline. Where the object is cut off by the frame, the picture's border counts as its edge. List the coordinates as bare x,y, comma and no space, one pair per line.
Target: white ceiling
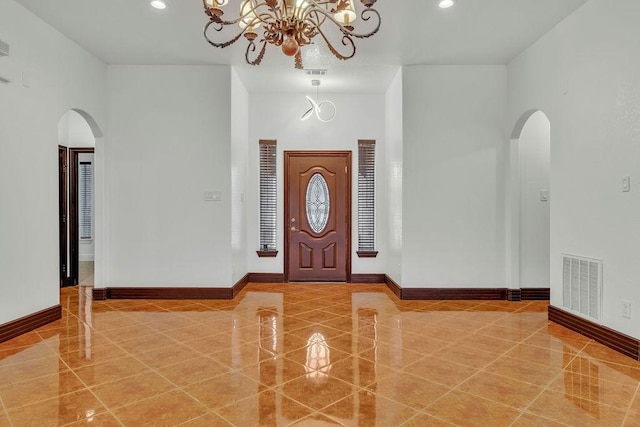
413,32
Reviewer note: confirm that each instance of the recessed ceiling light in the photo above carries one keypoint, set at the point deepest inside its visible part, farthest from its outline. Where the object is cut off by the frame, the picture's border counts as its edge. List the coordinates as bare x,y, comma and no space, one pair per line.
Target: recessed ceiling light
444,4
158,4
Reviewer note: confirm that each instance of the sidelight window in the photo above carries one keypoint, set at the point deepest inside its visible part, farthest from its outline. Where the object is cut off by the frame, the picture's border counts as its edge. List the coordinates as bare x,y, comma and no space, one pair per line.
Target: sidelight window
366,198
268,178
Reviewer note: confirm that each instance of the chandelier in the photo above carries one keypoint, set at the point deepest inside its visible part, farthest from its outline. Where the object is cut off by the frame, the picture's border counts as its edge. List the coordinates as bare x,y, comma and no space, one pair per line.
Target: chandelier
291,24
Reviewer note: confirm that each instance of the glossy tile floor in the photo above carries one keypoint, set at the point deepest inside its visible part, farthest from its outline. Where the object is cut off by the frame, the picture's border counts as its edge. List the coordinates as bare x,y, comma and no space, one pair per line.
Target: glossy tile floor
311,355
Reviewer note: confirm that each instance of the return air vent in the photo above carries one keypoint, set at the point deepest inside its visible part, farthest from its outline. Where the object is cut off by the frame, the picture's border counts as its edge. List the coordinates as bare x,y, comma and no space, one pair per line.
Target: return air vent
582,285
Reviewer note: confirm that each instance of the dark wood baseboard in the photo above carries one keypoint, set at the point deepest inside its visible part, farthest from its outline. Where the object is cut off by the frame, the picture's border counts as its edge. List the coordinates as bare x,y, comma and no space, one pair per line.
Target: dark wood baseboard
393,286
29,323
368,278
169,293
266,277
536,294
514,295
622,343
240,284
100,294
454,294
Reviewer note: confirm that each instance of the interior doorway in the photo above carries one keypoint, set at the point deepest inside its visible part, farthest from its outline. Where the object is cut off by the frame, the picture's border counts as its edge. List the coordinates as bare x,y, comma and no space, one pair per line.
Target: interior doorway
76,197
317,244
531,202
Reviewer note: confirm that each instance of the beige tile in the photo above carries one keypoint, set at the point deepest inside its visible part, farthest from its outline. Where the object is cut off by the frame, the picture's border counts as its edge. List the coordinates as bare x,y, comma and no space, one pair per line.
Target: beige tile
169,409
365,408
465,355
440,371
4,418
409,390
39,389
501,389
165,356
102,420
595,389
224,389
422,420
316,420
530,420
194,370
29,369
316,390
391,355
207,420
111,370
132,389
530,372
61,410
265,409
465,409
575,410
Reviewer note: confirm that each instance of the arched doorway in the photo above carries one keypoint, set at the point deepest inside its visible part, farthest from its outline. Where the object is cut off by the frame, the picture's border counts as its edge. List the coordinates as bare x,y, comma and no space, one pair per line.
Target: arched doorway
77,135
530,198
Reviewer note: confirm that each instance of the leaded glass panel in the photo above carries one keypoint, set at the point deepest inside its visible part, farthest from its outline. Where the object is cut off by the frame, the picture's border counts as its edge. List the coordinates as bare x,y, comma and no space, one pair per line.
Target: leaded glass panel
318,204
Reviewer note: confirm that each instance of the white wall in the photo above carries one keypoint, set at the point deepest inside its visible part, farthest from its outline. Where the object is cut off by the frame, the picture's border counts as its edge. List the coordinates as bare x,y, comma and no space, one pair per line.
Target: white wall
74,131
393,166
584,75
277,116
534,146
454,147
239,148
59,75
169,142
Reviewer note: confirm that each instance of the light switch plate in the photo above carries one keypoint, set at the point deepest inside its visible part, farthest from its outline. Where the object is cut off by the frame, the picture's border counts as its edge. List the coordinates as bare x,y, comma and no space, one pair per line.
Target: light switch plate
626,184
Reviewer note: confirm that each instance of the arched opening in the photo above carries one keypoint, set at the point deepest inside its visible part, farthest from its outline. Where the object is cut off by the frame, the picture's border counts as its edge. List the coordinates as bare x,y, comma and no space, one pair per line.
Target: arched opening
530,202
77,136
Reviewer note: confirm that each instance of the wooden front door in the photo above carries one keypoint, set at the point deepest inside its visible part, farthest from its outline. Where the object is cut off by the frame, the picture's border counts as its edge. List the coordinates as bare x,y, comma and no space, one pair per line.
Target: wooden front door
318,216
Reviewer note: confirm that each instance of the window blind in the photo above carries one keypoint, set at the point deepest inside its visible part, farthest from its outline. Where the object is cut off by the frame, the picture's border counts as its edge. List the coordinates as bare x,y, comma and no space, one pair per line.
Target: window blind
366,195
268,195
85,200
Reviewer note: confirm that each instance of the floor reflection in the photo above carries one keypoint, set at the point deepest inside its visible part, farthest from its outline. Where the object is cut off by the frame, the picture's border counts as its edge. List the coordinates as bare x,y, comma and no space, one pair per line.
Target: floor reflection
298,354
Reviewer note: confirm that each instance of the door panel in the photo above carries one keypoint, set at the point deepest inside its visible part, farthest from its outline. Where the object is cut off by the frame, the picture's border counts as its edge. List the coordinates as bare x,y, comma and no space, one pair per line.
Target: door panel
318,216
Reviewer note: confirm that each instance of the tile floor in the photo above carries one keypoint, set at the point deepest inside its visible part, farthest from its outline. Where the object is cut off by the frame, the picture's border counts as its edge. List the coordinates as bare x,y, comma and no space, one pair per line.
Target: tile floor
311,355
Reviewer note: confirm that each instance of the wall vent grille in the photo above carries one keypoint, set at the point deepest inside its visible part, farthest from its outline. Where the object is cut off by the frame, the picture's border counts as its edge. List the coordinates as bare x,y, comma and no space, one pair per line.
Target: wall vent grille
582,285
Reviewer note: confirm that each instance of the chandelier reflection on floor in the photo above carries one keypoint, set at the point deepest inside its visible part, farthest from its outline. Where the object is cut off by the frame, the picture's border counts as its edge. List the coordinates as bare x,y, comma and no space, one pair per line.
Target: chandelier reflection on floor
292,24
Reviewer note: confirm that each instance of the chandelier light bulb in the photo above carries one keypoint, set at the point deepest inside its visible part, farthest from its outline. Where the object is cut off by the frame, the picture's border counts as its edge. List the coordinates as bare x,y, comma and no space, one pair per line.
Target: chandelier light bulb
346,16
445,4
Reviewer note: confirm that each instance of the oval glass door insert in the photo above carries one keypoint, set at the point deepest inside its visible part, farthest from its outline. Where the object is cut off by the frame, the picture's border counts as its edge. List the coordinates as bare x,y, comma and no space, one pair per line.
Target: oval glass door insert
318,203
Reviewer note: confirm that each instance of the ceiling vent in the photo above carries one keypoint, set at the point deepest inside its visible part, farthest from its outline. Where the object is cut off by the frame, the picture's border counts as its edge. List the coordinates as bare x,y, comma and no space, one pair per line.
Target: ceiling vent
315,71
4,49
582,285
